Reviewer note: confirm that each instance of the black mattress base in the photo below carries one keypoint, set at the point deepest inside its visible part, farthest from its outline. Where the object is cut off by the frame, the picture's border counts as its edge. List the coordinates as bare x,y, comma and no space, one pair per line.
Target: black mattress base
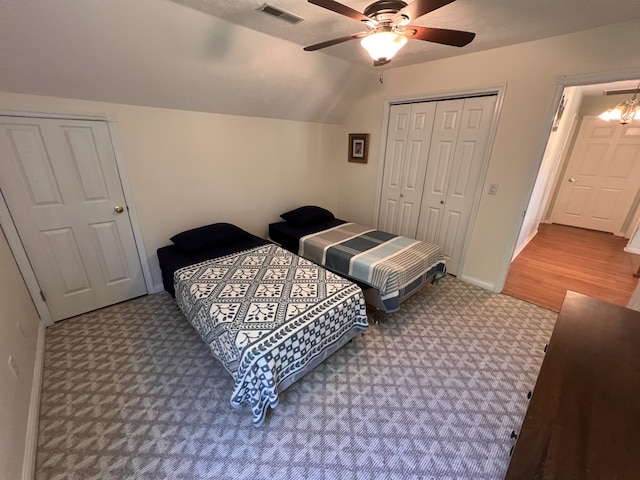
288,235
172,258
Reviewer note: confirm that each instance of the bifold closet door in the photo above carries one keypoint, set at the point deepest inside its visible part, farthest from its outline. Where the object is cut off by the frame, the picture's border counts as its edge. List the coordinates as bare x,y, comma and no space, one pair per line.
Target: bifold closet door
405,165
457,152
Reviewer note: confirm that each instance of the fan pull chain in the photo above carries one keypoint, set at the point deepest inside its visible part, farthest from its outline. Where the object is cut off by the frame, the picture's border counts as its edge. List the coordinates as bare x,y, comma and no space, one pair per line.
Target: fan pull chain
381,78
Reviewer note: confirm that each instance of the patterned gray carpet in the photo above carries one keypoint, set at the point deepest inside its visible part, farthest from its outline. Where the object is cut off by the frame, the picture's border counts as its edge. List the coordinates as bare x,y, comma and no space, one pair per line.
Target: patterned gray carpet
433,392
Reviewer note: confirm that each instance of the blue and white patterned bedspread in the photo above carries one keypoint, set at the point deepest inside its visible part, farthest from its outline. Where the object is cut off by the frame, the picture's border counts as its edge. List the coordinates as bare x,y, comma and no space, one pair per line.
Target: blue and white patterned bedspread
269,316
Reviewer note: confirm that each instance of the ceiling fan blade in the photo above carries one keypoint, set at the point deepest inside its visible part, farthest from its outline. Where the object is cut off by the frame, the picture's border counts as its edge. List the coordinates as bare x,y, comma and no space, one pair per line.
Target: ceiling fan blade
341,9
417,8
455,38
335,41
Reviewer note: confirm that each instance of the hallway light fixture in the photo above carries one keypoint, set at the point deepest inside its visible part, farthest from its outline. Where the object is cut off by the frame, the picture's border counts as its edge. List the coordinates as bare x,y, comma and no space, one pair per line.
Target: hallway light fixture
624,112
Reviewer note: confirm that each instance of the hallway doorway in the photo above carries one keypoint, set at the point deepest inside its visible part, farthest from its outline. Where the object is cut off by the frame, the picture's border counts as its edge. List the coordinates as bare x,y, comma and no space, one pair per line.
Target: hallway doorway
577,103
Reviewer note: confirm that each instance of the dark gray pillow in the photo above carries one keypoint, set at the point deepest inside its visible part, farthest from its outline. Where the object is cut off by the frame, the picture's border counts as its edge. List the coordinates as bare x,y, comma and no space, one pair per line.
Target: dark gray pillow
209,236
307,216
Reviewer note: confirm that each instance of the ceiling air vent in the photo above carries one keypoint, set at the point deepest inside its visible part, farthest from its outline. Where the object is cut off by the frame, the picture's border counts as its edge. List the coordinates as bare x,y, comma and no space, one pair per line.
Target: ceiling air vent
281,14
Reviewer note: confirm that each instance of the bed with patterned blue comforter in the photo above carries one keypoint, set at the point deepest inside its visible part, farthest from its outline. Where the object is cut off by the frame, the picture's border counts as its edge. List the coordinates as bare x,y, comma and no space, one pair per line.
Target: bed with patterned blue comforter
269,316
395,266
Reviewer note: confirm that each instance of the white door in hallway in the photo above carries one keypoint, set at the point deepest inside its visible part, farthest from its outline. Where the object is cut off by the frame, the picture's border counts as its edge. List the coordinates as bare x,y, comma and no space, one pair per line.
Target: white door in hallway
61,184
602,176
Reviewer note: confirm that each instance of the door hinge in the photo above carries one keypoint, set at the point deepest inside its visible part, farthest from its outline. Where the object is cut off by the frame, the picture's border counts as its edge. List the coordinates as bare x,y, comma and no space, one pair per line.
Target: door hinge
42,297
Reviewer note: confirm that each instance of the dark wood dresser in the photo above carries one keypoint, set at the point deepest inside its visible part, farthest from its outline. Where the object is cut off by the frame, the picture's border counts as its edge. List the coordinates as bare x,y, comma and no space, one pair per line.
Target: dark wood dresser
583,421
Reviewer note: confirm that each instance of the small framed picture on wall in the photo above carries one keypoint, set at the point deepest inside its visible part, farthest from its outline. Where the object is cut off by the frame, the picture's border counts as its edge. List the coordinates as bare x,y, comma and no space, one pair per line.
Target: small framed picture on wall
358,147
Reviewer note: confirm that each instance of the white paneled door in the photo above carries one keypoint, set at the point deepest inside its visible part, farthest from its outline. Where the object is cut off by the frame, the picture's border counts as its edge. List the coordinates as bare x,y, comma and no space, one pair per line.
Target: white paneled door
457,154
602,177
434,157
408,139
61,184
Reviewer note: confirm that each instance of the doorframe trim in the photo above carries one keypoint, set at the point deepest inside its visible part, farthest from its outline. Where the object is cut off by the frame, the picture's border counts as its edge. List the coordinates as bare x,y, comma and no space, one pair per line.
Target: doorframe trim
20,256
11,233
133,213
498,90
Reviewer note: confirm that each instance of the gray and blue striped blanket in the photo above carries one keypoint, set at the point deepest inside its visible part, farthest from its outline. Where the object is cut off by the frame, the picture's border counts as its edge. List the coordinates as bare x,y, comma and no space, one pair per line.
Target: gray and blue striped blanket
395,265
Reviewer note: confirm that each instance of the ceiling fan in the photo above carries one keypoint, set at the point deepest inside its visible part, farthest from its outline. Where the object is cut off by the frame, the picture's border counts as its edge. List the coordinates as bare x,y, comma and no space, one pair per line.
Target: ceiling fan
388,27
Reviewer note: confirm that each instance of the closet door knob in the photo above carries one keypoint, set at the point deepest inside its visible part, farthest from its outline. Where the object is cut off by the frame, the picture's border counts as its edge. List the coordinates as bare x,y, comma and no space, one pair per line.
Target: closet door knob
118,209
442,202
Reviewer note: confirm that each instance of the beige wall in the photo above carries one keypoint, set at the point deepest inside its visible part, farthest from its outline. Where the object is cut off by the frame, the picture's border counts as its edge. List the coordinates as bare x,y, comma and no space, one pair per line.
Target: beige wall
188,169
531,73
15,394
556,149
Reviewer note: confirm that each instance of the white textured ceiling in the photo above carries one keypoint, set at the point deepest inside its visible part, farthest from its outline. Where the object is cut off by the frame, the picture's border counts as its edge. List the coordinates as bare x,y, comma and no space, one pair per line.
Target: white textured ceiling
223,56
496,23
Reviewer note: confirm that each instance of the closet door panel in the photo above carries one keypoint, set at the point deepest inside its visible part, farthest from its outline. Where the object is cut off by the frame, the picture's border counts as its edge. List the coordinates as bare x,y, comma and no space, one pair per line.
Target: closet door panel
406,156
451,230
433,161
453,174
430,219
439,165
397,134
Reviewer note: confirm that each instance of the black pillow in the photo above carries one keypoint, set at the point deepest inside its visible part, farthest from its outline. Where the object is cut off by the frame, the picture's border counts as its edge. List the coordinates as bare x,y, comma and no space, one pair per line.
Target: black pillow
209,236
307,215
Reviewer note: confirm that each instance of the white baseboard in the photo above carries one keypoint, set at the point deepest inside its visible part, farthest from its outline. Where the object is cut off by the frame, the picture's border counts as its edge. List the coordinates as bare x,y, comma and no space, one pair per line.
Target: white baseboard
478,283
524,244
31,441
634,250
156,289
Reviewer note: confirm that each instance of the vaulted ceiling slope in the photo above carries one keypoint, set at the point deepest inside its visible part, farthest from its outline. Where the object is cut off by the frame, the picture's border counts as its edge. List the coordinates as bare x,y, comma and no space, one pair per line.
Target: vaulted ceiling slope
161,54
223,56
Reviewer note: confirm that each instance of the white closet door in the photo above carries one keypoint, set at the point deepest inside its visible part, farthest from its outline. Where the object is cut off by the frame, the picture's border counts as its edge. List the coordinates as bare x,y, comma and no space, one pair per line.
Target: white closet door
441,158
407,149
61,184
456,157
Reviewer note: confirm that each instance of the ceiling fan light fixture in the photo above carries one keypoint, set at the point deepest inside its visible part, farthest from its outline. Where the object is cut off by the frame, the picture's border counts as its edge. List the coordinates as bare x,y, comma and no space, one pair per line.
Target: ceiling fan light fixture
388,22
383,45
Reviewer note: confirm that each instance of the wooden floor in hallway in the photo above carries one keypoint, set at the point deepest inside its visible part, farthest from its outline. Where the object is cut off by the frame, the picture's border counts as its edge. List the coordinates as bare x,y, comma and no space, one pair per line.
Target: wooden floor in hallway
561,258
